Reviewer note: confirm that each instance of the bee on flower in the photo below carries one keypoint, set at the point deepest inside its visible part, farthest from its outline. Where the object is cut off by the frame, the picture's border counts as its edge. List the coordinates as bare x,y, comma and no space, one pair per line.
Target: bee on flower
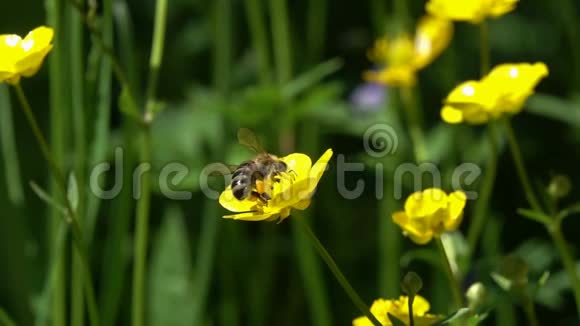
429,213
399,308
400,58
269,187
502,92
473,11
24,56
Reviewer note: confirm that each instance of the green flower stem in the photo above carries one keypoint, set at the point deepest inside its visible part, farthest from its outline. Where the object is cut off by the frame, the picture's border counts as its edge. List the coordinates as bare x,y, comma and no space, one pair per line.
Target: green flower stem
70,216
481,206
281,39
352,294
410,303
57,66
530,311
409,99
258,33
555,231
389,241
222,49
144,201
456,291
316,26
520,167
484,50
78,110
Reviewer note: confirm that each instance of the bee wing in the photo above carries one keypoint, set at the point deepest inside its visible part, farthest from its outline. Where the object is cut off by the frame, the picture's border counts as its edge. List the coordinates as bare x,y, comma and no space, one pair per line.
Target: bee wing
247,138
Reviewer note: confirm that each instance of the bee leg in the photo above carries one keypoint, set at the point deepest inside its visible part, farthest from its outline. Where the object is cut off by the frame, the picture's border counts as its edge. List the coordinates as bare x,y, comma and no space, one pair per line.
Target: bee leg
262,197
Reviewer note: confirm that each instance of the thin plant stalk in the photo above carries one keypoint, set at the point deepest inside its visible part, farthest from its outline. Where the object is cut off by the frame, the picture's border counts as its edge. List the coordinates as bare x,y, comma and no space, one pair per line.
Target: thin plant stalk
144,201
316,26
520,167
257,23
57,141
77,108
481,207
281,39
530,311
410,305
409,100
453,285
352,294
70,217
222,53
554,228
555,231
389,243
484,50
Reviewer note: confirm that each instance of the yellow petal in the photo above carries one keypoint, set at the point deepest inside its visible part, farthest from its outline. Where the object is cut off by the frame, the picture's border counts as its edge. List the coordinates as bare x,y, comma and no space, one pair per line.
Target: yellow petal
417,230
231,203
425,203
395,76
461,10
420,305
514,83
432,36
302,205
451,115
318,170
500,7
474,99
457,202
251,216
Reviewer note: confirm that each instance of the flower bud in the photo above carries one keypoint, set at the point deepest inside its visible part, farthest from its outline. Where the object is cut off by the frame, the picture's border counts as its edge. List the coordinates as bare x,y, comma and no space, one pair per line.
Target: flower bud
559,186
411,284
476,295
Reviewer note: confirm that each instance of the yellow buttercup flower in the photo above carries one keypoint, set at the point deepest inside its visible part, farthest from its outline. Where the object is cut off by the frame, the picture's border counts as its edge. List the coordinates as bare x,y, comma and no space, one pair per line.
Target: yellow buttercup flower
400,58
429,213
292,192
432,36
23,56
503,91
400,309
473,11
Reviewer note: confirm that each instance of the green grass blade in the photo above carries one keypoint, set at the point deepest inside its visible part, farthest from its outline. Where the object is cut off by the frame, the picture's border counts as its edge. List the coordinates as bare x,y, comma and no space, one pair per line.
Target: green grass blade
9,153
312,275
103,115
170,287
205,259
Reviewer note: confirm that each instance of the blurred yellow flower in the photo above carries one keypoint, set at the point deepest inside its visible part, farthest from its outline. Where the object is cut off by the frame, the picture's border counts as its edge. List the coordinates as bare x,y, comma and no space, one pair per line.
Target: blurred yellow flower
473,11
503,91
400,309
289,193
23,57
429,213
400,58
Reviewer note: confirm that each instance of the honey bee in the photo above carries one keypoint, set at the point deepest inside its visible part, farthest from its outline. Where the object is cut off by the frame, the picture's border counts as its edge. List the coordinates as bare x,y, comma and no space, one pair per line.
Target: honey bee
253,178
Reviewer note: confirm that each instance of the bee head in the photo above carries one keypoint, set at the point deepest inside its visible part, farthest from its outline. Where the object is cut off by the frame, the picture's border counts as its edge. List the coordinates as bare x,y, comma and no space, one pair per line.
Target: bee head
280,166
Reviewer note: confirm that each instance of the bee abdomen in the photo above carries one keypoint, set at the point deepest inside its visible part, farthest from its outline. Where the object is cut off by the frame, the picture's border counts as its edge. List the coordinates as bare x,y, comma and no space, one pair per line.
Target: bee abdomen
241,182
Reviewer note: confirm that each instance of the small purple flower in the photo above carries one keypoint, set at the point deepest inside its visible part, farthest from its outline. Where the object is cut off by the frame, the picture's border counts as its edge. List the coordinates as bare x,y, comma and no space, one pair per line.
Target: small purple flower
368,97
